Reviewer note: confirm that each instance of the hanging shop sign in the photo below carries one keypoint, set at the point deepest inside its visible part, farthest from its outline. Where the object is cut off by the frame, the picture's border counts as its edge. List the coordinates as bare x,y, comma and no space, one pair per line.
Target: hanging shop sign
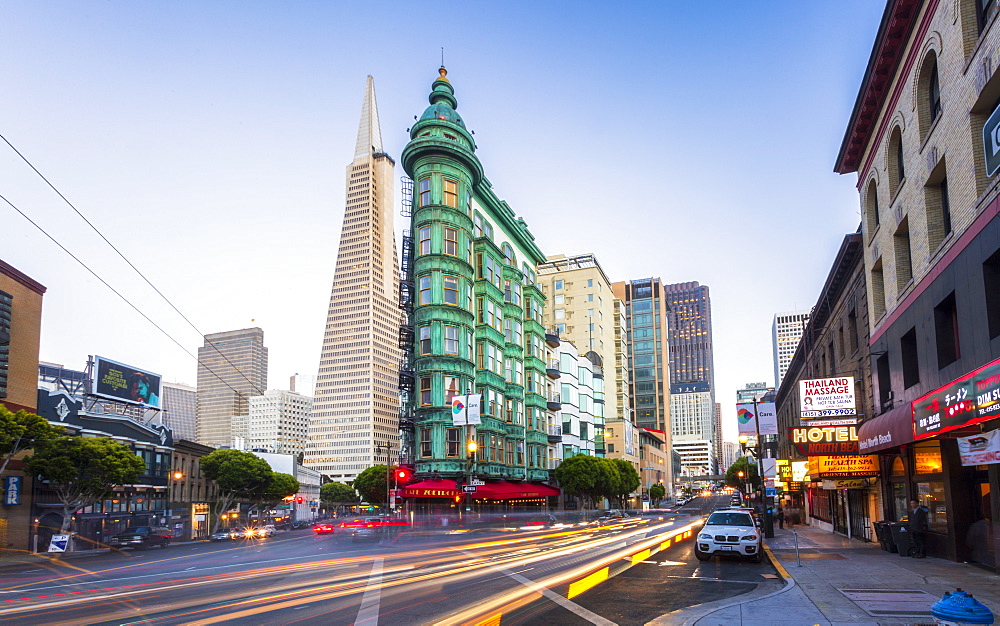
968,400
825,440
826,397
854,466
800,471
748,417
981,449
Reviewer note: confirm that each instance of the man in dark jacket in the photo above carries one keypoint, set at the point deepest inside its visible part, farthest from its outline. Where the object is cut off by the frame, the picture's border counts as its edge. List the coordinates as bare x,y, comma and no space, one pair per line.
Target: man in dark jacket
917,525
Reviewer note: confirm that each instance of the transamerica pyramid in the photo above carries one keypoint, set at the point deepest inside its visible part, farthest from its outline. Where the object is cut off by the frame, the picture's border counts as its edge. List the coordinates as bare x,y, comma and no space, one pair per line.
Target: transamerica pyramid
355,419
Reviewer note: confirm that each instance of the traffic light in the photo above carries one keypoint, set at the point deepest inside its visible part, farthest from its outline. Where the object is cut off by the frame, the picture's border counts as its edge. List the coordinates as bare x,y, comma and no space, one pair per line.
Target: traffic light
403,475
458,499
299,500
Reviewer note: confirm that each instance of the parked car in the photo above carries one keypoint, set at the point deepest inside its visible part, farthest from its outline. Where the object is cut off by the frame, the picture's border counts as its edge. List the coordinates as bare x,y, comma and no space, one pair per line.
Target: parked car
141,537
729,532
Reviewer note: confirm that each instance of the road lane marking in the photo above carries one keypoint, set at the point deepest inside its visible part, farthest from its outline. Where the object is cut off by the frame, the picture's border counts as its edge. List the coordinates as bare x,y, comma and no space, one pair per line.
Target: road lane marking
370,602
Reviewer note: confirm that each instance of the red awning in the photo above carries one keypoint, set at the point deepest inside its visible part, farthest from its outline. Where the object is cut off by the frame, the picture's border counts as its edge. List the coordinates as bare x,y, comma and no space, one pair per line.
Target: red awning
512,491
442,488
889,430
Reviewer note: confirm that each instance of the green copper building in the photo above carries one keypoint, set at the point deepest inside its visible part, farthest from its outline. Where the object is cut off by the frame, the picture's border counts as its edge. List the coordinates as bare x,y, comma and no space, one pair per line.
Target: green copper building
477,325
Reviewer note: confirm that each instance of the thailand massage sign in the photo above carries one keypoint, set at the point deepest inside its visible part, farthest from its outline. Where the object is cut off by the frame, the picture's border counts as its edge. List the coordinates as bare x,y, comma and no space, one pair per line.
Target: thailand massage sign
826,397
853,466
971,399
825,440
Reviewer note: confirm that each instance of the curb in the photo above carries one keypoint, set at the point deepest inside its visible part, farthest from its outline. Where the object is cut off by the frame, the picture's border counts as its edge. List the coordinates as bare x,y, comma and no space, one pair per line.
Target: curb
692,615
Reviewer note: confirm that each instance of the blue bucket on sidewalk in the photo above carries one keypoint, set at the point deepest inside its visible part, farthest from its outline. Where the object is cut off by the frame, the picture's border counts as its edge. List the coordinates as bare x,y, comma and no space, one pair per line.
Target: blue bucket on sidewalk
959,607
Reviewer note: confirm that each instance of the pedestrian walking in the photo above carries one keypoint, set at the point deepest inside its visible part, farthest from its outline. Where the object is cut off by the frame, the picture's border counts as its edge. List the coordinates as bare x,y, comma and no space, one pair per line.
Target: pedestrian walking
781,518
917,525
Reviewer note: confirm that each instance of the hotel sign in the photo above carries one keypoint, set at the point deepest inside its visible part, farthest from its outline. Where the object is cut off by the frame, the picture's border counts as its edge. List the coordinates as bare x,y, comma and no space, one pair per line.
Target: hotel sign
968,400
825,440
843,466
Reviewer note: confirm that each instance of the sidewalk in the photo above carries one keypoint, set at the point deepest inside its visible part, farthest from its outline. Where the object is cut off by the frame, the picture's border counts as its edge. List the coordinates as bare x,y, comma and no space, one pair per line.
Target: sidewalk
11,557
843,581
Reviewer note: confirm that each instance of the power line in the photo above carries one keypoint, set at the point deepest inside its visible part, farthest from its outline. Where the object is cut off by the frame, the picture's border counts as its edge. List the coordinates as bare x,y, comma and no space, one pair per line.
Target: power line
134,268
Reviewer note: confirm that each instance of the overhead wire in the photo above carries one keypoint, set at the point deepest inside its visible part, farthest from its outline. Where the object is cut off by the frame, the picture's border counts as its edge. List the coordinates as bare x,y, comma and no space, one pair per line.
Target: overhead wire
135,269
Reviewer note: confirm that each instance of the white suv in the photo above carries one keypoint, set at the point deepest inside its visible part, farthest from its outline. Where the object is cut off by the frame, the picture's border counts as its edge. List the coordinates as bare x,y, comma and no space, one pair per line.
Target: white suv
729,532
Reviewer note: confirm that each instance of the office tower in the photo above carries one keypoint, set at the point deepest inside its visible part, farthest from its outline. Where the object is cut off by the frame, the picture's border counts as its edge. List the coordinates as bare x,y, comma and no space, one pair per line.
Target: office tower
279,422
477,319
649,353
752,391
232,366
304,384
581,392
730,452
180,409
717,439
355,417
786,331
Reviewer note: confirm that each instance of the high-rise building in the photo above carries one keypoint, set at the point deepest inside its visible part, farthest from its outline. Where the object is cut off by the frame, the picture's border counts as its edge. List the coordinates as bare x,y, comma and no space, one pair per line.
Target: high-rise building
648,351
581,392
304,384
232,366
751,392
717,440
477,321
730,452
690,333
180,409
355,416
786,332
279,422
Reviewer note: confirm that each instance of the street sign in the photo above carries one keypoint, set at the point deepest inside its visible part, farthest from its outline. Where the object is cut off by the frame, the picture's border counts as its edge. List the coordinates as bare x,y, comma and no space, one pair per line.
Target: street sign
469,488
476,481
991,142
58,543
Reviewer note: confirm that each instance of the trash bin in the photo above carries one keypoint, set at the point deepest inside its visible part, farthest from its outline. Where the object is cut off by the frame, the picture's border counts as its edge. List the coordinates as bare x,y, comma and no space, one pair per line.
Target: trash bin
901,537
884,536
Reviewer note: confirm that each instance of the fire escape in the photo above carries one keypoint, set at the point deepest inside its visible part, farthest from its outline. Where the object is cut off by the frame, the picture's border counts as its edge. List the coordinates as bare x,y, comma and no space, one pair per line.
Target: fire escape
407,381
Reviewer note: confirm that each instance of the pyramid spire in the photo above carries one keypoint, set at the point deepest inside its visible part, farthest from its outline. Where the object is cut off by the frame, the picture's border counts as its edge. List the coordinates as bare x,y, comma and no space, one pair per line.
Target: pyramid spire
369,133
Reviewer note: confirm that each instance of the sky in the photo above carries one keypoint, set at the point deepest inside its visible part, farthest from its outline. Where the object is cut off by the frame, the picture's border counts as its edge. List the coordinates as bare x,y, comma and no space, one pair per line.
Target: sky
208,141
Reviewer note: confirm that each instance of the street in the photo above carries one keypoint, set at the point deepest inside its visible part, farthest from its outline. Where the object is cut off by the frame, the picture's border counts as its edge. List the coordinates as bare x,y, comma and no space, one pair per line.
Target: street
296,577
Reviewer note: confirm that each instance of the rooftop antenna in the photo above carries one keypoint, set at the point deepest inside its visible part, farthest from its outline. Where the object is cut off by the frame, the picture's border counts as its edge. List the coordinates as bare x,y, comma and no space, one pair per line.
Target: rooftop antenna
442,56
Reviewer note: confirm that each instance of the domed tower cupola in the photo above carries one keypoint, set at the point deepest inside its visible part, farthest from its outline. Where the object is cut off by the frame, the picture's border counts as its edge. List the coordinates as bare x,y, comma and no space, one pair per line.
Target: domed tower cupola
441,130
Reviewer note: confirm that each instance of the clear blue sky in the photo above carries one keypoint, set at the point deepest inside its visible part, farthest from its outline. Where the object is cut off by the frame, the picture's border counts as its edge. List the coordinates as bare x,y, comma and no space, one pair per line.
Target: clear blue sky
208,141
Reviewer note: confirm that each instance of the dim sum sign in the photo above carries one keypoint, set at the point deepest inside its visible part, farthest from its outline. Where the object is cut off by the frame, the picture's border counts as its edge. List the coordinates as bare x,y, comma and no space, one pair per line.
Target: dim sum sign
968,400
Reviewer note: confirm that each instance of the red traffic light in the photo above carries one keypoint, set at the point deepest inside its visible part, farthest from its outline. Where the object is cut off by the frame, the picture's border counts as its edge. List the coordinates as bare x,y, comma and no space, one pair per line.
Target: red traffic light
403,475
299,500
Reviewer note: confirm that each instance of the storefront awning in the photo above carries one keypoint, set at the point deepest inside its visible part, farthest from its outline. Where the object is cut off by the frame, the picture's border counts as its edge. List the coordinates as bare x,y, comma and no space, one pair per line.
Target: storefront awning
512,491
442,488
888,430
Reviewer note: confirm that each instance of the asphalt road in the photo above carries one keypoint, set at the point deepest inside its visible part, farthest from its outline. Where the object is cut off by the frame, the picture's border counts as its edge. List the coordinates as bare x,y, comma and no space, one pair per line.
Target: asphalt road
296,577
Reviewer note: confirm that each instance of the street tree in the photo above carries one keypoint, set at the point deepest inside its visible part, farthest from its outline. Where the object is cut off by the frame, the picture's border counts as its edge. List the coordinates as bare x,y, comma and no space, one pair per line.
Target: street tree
83,471
750,476
626,480
278,487
371,484
335,495
238,476
20,431
585,476
656,493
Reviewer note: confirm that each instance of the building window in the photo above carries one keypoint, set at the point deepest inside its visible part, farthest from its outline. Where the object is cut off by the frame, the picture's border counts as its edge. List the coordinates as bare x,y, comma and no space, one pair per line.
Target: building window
991,283
425,340
425,442
451,340
477,225
908,353
878,289
508,255
425,290
6,315
560,314
897,172
451,290
452,387
558,284
946,331
454,440
560,299
901,248
450,193
425,391
425,191
985,10
451,241
872,208
934,93
938,207
425,240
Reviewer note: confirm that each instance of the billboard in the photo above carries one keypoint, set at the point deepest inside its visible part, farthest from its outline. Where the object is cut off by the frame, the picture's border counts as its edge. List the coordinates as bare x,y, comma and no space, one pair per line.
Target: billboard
968,400
117,381
825,440
826,397
766,415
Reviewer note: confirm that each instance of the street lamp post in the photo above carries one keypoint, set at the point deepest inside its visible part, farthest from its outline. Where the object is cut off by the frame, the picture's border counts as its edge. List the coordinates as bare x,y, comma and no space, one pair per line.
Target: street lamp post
740,474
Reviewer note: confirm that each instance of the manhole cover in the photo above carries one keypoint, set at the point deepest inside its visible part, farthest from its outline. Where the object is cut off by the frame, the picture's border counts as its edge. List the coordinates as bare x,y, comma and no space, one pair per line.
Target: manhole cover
892,602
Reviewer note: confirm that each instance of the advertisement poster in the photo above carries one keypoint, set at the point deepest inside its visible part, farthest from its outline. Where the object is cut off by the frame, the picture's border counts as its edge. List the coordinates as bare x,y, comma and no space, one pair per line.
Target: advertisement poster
458,417
826,397
747,419
117,381
848,466
981,449
971,399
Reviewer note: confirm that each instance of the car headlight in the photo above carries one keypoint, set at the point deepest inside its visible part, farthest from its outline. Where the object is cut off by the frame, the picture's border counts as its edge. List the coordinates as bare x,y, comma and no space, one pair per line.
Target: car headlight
750,538
704,536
